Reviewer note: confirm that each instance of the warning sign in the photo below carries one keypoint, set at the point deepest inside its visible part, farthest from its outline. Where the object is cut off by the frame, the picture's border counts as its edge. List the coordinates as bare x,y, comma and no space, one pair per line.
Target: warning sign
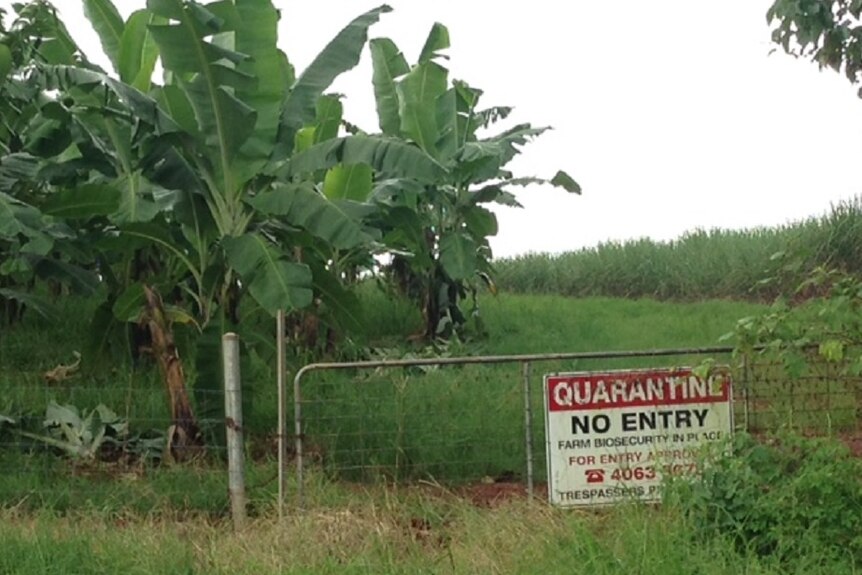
614,436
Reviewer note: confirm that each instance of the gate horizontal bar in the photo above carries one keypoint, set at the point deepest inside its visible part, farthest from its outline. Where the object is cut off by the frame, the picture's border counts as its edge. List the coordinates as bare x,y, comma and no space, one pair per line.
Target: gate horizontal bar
489,359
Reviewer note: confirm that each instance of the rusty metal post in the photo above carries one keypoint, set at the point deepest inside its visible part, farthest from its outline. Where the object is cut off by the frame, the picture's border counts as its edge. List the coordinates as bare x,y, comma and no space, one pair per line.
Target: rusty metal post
528,426
233,424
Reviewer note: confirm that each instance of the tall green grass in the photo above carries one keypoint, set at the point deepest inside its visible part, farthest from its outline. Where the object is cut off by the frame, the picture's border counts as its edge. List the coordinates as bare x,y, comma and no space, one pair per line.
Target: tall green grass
701,264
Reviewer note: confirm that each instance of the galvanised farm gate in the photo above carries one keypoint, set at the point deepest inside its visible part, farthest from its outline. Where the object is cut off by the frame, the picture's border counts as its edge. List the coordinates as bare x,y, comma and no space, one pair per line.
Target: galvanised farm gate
400,420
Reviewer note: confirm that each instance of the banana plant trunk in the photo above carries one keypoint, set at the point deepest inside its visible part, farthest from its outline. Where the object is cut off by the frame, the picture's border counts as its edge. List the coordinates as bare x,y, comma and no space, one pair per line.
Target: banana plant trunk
185,440
431,308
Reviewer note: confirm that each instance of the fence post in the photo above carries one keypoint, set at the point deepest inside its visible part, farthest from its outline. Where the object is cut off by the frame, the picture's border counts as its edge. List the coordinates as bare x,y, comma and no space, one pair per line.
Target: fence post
528,427
297,429
233,424
747,382
282,423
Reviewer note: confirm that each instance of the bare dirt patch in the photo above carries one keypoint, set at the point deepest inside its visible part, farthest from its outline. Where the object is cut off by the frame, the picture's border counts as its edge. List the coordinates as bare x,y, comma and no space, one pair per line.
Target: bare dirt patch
493,494
853,441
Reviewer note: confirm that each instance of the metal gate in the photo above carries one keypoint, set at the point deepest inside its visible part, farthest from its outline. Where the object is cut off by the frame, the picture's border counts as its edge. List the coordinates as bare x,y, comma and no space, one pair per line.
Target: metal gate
326,428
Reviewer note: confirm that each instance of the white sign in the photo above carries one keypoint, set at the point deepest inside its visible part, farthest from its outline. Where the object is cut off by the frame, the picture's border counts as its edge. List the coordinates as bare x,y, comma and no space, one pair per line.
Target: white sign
613,436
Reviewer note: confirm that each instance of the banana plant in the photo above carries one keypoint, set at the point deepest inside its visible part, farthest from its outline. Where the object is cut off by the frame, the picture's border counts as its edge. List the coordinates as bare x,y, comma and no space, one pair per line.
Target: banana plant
237,139
34,244
438,231
237,119
68,158
178,166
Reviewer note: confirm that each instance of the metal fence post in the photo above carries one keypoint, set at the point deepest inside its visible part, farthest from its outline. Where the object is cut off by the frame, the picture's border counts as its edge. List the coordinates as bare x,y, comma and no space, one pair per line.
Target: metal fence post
528,427
233,424
746,384
297,424
282,423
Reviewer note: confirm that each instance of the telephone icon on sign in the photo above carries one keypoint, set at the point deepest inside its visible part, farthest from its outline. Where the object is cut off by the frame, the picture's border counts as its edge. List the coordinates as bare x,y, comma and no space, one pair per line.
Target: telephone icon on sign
595,475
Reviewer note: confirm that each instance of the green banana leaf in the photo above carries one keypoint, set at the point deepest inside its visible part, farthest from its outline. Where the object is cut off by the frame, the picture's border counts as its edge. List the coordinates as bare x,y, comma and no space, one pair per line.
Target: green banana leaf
389,64
108,24
340,55
275,284
390,158
301,205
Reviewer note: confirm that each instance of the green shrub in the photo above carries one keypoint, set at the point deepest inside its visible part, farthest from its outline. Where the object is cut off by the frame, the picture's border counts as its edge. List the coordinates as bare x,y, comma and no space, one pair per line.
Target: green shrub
784,497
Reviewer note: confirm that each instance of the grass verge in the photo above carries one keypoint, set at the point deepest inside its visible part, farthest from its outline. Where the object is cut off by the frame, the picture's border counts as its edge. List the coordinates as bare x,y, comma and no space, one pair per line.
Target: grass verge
384,530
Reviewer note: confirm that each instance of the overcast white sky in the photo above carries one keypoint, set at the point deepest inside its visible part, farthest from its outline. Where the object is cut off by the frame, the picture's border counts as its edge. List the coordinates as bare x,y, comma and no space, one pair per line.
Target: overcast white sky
671,114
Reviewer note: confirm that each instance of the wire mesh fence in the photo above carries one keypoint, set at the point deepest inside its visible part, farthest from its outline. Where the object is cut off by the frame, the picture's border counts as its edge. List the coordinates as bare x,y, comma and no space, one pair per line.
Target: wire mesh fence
816,396
84,443
416,422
